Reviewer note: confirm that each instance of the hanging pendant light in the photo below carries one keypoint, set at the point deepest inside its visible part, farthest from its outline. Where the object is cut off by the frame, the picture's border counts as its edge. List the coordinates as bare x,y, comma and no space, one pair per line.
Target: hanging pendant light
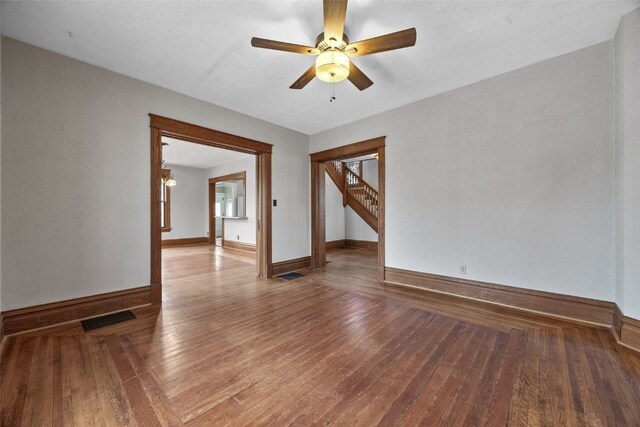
170,181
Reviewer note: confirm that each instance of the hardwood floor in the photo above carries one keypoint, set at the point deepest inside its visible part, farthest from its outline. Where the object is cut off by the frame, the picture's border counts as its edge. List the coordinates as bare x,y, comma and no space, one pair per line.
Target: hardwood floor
332,348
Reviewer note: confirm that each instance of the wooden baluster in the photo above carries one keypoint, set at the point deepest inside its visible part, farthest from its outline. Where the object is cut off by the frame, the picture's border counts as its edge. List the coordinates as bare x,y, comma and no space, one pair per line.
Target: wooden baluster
343,169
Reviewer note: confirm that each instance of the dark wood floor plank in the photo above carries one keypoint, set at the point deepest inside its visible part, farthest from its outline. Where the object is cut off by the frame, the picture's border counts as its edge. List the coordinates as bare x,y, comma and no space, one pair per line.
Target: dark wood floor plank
15,384
319,363
414,388
38,405
364,355
317,402
525,389
365,383
432,402
586,405
620,380
277,354
463,399
499,405
335,347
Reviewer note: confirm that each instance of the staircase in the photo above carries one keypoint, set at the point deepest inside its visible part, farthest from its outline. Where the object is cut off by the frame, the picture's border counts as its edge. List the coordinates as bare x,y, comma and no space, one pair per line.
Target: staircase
356,193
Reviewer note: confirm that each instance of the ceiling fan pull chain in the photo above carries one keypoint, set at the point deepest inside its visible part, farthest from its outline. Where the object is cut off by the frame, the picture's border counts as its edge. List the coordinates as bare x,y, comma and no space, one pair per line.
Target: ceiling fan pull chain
333,95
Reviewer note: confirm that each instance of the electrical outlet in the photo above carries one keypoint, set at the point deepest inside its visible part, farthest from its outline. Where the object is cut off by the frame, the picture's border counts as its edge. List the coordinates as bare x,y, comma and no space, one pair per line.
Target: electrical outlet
463,269
238,237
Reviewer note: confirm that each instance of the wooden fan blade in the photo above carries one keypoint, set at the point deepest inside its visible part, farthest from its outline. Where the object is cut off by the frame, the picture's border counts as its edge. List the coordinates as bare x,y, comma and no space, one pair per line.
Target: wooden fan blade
305,78
284,46
358,78
334,16
397,40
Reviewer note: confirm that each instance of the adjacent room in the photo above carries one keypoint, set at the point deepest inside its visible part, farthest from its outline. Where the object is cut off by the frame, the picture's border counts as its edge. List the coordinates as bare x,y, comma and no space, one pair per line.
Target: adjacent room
208,211
326,212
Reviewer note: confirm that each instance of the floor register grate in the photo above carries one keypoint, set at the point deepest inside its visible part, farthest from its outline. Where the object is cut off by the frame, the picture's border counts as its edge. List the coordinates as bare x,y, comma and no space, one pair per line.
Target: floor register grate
109,319
290,276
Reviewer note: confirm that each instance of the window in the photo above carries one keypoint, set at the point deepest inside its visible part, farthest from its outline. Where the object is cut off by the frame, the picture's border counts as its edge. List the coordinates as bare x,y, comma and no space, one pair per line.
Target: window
165,202
355,167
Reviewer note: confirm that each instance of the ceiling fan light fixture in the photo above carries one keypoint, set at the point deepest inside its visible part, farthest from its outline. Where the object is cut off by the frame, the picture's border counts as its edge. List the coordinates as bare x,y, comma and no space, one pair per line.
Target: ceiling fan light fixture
332,66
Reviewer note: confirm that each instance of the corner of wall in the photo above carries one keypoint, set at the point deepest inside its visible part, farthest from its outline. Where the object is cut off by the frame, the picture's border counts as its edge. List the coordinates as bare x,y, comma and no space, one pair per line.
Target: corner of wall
1,329
627,150
618,44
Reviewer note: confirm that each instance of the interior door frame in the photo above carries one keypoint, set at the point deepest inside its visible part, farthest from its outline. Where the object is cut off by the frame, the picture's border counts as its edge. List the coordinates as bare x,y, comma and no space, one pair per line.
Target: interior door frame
212,202
318,216
164,126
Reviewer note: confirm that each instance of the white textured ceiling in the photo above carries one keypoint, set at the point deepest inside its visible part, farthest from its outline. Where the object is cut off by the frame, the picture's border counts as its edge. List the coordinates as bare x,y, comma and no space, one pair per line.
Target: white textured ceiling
194,155
203,49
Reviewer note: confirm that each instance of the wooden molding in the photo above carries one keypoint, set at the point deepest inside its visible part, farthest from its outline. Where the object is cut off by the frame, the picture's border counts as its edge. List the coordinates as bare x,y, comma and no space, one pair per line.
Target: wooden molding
44,315
335,244
202,135
318,214
626,330
229,177
578,309
351,150
382,236
264,230
351,243
212,202
291,265
333,174
618,319
155,223
361,244
233,244
167,202
185,242
163,126
1,332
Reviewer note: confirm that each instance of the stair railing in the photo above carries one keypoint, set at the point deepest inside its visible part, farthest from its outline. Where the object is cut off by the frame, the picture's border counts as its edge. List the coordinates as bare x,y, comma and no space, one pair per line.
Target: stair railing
337,165
361,191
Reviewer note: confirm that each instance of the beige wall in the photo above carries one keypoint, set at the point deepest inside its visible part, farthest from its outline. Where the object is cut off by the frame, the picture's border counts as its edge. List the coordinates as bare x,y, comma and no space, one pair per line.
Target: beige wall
0,167
512,176
75,176
189,203
627,89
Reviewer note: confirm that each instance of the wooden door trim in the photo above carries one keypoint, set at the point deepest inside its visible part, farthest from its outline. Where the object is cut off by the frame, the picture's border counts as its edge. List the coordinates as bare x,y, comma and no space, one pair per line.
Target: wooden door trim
368,146
164,126
212,201
318,160
202,135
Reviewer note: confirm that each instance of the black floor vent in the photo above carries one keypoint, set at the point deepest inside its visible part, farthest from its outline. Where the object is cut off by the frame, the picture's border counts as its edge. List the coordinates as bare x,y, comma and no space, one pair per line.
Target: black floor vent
290,276
109,319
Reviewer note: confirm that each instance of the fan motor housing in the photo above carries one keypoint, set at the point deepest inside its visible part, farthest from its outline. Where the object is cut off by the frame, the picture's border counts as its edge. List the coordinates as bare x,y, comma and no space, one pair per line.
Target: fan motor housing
322,44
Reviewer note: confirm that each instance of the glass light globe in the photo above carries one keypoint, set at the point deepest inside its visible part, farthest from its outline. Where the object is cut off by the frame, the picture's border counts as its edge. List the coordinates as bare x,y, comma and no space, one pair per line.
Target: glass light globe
332,66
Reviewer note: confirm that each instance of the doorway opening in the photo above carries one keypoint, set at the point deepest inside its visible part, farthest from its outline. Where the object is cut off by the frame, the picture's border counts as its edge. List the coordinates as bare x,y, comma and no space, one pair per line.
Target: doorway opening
228,212
320,164
164,128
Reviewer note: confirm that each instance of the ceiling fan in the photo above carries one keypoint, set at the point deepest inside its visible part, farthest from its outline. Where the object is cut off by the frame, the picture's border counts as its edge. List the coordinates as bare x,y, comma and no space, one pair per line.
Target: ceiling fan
334,50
